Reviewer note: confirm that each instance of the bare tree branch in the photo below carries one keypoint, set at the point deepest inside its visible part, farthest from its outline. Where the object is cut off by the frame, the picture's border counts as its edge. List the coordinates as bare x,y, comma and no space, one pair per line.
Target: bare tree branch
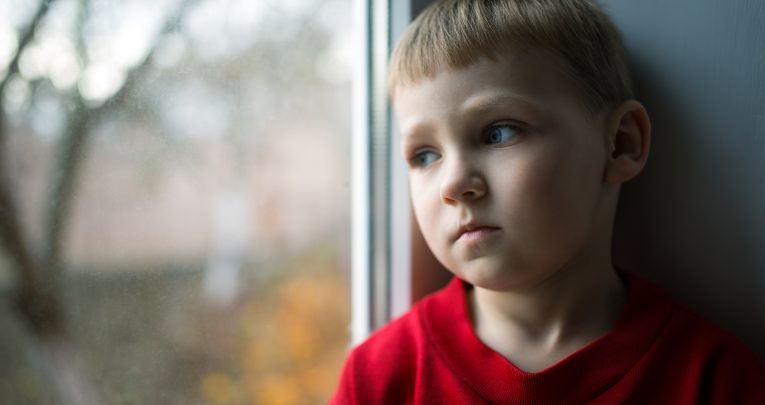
38,294
9,226
70,154
26,38
40,307
75,140
139,70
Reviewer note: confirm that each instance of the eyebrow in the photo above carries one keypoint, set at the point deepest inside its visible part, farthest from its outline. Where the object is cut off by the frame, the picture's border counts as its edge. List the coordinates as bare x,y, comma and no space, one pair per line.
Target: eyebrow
491,101
478,104
413,132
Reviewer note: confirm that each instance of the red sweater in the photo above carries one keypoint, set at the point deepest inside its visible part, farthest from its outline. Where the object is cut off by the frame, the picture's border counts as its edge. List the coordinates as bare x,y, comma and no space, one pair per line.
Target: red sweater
658,352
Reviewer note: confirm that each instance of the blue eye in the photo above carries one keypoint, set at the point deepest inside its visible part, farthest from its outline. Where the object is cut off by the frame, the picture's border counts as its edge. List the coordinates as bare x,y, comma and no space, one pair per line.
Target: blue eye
500,134
424,158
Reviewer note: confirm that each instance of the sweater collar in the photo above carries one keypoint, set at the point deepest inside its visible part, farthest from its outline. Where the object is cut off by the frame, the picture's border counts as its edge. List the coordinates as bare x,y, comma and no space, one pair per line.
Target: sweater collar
606,359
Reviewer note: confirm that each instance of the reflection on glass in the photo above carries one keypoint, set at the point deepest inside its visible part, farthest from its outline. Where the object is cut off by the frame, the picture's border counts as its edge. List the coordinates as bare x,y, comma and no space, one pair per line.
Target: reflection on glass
174,202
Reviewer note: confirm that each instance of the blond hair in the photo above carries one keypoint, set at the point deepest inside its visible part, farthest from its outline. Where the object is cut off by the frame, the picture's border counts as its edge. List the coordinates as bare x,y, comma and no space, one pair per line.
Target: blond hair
453,34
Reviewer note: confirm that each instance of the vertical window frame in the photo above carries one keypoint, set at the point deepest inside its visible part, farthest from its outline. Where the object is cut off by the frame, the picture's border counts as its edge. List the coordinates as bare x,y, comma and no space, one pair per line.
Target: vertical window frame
381,220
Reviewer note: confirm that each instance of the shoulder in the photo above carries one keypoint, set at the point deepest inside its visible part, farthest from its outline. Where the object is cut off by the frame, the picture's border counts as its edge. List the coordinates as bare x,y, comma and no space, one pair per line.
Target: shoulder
391,346
704,355
402,337
699,334
720,350
386,363
724,369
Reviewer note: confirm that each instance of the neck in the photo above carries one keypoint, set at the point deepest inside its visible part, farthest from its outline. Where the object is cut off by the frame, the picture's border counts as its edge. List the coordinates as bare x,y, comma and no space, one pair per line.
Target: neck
542,324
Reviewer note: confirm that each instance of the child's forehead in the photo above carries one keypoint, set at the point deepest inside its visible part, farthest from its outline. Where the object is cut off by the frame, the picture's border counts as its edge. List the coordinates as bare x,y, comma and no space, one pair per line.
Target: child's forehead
529,87
521,76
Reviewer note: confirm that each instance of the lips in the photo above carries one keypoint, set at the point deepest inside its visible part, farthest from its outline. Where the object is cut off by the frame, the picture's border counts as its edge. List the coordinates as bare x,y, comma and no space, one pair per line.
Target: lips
472,232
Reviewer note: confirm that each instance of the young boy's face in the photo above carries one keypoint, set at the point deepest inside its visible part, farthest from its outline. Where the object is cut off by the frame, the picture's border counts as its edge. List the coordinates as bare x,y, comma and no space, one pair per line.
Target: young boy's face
506,170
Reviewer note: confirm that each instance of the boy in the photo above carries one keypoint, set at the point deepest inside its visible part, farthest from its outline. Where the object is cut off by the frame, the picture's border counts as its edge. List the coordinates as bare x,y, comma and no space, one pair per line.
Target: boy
518,126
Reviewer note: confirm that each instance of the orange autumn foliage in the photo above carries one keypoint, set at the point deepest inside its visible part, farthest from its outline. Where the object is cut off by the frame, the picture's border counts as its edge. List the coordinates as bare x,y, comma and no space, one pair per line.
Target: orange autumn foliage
293,335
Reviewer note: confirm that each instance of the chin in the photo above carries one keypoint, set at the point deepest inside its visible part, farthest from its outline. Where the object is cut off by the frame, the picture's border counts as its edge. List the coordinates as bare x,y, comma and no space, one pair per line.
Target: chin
487,276
495,277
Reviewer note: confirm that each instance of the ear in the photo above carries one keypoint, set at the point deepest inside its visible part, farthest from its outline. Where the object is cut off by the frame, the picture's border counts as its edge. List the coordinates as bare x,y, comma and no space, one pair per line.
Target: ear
629,139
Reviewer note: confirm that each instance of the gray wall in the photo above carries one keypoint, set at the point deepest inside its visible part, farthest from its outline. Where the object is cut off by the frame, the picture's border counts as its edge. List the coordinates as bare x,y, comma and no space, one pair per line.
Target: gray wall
694,221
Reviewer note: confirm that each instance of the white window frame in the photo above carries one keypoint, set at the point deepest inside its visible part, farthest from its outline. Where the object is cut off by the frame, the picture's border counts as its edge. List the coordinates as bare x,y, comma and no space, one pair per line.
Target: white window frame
381,220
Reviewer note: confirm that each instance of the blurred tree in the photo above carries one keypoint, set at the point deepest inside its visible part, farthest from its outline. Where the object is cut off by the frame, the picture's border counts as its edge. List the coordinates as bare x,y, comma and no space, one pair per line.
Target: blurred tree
39,270
270,92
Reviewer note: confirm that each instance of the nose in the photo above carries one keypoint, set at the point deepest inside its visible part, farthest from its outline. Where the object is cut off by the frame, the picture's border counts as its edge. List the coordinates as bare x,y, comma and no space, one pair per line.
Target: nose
462,183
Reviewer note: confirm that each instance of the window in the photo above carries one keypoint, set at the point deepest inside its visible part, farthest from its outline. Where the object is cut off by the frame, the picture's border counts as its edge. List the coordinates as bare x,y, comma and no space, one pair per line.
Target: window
175,195
392,266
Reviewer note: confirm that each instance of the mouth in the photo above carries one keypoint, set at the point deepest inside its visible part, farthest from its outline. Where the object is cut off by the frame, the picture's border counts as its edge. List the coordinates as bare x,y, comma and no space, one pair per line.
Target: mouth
472,233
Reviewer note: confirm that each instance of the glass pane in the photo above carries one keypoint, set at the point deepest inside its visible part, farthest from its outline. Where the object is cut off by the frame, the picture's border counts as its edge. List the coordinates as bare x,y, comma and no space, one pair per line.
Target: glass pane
174,201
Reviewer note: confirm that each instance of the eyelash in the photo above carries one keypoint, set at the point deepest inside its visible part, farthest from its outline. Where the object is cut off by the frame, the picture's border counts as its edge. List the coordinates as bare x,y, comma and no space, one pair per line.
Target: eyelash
415,160
417,157
487,133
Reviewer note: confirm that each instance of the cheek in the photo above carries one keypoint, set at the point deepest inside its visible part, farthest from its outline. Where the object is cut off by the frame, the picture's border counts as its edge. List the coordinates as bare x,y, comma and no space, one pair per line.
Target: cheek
527,183
427,219
551,196
425,202
429,212
573,200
